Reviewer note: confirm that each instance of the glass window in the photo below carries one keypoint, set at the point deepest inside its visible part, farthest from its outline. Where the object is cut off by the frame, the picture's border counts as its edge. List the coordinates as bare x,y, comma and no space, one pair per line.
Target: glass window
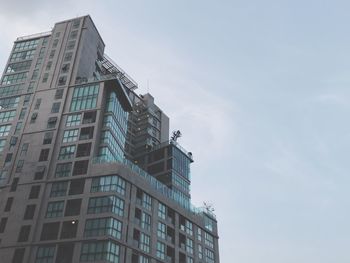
45,254
24,55
209,223
189,245
146,221
62,80
63,169
84,97
66,152
18,255
58,94
34,192
161,230
108,183
22,114
200,252
102,227
86,133
37,104
100,251
19,166
55,209
105,204
65,68
3,223
70,135
48,65
33,117
11,90
30,44
199,234
209,256
83,149
29,212
70,45
45,77
160,250
50,231
2,144
73,207
40,171
69,229
189,228
56,107
5,130
89,117
44,155
73,34
48,137
144,244
9,103
76,187
8,204
68,56
73,120
14,78
7,116
16,67
59,189
55,43
147,201
81,167
51,123
208,240
35,74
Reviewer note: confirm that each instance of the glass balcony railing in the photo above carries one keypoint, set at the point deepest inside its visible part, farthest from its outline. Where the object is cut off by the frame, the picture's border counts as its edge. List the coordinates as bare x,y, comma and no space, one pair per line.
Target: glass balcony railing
160,187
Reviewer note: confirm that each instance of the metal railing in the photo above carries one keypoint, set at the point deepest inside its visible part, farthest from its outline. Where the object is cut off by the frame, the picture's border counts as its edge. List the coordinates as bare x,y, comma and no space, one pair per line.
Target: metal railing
172,142
112,67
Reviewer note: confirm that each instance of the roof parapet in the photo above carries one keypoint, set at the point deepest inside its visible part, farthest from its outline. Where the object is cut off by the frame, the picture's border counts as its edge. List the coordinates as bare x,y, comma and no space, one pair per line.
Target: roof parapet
37,35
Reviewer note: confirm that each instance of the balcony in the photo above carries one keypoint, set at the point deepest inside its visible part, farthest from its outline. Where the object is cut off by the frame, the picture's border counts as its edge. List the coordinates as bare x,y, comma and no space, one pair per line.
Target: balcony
158,186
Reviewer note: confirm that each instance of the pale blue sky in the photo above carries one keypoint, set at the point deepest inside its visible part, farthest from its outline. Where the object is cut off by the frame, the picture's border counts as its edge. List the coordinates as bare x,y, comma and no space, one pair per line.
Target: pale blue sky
260,91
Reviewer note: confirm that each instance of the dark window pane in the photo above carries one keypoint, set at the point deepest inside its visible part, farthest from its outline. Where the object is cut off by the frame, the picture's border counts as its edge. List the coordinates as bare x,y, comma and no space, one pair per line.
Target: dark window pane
3,223
80,167
86,133
29,212
18,255
76,187
83,149
69,229
89,117
8,204
14,184
50,231
34,192
73,207
23,234
39,174
65,253
44,155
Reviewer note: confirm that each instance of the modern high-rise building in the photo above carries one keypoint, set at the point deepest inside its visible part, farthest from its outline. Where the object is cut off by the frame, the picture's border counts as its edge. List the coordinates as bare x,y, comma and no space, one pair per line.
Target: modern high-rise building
87,170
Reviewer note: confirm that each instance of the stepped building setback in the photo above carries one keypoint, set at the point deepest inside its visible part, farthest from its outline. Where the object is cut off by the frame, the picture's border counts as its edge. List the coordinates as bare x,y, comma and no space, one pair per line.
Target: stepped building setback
88,172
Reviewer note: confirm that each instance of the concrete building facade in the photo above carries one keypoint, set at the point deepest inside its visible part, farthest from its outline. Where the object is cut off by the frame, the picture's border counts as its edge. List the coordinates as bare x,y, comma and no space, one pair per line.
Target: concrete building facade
87,171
